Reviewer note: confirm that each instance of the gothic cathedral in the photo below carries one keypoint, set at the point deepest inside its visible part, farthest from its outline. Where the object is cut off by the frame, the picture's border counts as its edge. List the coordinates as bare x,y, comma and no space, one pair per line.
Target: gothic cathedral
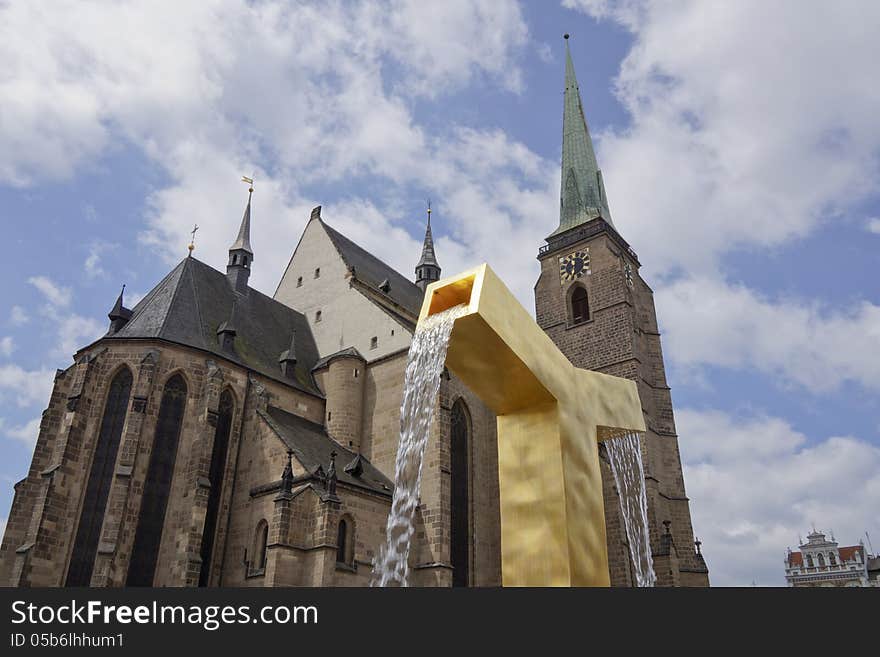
217,436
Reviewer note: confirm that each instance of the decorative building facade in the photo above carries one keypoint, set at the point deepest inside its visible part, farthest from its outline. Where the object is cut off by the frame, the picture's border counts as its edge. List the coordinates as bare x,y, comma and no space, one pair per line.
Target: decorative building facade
217,436
821,562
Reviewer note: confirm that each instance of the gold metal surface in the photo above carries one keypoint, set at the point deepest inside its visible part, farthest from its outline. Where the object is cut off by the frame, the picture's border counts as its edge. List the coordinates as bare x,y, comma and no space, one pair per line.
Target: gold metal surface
550,417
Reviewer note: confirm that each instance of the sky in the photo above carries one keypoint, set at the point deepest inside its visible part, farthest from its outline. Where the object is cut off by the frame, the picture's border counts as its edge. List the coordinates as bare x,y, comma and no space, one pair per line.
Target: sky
739,144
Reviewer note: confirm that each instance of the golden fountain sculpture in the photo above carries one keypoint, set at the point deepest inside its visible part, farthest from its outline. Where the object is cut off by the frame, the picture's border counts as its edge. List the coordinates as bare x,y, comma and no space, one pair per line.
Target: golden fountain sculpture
550,417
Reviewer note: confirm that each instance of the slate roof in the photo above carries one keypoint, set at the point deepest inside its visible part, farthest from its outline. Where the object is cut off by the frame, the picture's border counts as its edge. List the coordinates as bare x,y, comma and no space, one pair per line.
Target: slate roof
371,271
311,446
348,351
189,305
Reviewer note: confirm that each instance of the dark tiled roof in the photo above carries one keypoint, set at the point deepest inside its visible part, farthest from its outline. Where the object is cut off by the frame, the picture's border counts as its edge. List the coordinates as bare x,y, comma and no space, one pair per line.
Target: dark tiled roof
348,351
371,271
311,446
189,305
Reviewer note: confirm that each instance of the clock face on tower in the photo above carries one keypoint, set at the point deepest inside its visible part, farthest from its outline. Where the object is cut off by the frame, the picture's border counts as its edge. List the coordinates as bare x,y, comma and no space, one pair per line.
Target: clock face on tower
574,265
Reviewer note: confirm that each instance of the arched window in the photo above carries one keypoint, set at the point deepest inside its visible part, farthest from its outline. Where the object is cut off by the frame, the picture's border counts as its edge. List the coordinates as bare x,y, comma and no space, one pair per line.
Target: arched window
821,560
809,561
154,501
88,533
580,309
225,411
460,507
832,559
261,544
344,551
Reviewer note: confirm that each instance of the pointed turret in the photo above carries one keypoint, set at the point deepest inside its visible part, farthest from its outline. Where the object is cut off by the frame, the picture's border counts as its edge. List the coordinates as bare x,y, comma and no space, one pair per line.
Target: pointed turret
238,269
287,359
119,315
427,269
226,332
582,196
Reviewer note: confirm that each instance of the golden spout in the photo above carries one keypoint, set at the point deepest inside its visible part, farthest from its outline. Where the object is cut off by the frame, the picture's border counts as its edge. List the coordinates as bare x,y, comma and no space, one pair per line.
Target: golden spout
550,417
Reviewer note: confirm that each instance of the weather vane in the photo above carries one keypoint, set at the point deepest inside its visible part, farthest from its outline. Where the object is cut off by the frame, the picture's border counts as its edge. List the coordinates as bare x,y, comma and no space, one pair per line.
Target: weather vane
192,242
249,181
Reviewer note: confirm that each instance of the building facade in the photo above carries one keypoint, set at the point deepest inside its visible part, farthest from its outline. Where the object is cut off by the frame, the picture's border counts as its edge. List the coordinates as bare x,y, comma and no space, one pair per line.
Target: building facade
216,436
822,562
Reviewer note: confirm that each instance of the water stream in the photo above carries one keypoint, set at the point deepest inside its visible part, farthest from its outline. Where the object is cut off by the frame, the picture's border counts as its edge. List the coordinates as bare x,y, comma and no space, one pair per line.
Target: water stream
625,455
427,355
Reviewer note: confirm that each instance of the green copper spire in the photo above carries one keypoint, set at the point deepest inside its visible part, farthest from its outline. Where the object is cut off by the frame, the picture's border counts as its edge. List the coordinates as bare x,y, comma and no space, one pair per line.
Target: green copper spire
582,197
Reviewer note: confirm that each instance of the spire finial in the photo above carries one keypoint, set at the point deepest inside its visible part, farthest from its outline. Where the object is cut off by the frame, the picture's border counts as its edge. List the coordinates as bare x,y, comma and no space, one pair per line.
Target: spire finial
429,213
192,241
565,36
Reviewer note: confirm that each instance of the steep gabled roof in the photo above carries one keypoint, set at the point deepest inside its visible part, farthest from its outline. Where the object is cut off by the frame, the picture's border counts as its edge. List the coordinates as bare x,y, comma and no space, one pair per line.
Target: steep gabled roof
372,272
311,446
189,305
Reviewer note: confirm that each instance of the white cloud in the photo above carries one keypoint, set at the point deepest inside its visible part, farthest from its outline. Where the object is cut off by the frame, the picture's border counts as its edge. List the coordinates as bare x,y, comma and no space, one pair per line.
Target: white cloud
756,483
710,322
26,387
7,345
873,225
26,433
18,316
57,296
743,130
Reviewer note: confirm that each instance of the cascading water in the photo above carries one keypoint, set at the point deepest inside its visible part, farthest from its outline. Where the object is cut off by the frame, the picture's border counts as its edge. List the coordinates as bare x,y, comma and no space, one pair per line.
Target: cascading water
427,355
625,455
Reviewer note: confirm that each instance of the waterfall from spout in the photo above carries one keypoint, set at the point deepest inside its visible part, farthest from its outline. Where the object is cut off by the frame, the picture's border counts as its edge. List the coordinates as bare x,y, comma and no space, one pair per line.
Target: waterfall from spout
427,355
625,455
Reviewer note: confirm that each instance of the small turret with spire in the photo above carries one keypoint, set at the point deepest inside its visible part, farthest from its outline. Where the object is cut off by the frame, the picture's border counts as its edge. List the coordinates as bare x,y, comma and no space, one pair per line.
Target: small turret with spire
119,315
427,270
287,359
238,269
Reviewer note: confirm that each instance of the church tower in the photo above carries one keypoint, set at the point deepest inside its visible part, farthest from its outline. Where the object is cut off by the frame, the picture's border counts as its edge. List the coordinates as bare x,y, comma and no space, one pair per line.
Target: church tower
241,256
592,302
427,269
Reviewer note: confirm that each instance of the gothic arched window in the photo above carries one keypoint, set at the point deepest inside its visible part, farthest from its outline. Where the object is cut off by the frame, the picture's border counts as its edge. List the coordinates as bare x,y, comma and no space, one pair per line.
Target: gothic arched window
344,547
832,559
459,445
154,501
821,560
580,308
225,412
261,545
91,519
809,561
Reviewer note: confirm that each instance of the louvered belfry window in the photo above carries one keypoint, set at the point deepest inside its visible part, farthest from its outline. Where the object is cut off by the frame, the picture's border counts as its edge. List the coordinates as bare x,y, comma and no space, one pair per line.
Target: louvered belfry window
91,519
154,501
215,476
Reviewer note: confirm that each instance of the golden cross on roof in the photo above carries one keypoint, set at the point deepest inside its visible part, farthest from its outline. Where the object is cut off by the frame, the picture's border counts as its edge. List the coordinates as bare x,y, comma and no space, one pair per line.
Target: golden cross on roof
192,242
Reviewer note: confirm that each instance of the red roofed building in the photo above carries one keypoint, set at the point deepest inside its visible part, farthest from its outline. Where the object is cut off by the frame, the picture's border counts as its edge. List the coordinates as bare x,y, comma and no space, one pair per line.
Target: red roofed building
821,562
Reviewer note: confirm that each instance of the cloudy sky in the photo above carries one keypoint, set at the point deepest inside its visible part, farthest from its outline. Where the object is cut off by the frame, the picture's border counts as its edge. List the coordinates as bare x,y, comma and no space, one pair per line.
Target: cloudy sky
739,142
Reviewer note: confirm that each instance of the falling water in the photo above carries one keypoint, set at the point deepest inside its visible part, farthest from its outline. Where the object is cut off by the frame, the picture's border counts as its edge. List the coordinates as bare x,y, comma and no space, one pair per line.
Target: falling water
625,455
427,355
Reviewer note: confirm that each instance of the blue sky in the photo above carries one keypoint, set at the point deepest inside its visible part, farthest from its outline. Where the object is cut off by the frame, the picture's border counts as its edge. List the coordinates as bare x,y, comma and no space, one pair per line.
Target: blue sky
738,141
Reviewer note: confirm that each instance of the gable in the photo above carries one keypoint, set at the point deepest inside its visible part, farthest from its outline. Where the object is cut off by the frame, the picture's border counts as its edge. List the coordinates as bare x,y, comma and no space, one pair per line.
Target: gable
350,316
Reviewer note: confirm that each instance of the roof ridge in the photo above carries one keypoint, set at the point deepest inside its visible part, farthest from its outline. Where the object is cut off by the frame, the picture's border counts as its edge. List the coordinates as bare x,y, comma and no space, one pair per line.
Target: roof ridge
183,265
358,246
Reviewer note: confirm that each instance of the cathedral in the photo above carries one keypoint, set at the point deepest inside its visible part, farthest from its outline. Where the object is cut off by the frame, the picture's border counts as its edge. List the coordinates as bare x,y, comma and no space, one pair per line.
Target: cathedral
216,436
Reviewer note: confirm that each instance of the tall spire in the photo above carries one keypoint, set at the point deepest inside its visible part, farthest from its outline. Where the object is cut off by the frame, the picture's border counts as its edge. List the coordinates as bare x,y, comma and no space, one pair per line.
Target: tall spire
427,269
582,196
238,268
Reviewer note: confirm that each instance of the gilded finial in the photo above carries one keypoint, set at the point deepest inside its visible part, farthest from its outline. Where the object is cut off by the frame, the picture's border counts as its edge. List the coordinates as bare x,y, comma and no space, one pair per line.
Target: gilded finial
192,242
250,182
